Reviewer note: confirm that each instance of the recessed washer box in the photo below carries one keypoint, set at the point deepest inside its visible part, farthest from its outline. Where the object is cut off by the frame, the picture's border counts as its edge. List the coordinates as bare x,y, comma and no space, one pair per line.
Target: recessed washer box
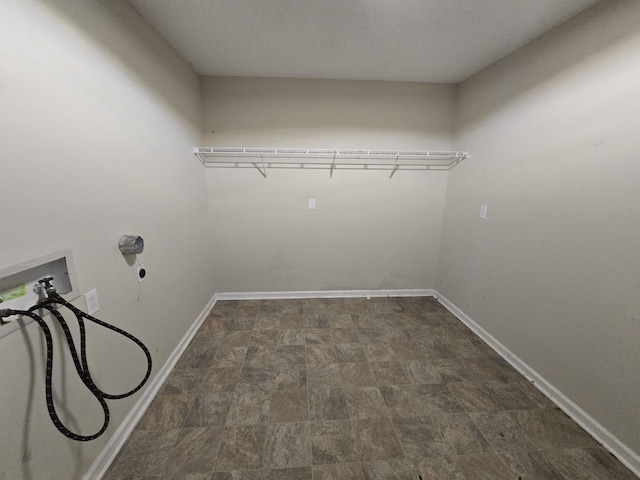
17,283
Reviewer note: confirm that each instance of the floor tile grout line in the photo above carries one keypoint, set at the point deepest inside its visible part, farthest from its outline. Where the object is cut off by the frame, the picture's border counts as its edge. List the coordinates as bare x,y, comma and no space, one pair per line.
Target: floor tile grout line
491,446
224,426
404,454
182,427
495,452
438,430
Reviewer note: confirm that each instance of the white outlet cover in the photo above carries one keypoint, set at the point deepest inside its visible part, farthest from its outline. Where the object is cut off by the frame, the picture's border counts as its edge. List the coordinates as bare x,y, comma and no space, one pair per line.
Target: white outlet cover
312,204
91,301
483,211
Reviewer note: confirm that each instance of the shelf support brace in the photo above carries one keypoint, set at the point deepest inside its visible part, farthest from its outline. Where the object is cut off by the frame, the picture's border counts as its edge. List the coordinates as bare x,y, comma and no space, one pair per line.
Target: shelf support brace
395,167
333,164
456,161
199,157
263,170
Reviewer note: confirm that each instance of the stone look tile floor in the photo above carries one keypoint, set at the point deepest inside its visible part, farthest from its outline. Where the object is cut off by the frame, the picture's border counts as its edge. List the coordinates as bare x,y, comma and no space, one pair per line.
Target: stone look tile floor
333,389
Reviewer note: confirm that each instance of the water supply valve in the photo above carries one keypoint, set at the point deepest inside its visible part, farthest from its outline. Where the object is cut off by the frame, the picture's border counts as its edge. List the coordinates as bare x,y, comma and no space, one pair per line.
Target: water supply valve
131,244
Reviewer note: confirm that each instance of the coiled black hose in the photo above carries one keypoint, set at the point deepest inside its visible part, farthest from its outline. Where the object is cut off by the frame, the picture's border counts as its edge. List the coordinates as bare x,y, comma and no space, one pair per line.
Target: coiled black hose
80,362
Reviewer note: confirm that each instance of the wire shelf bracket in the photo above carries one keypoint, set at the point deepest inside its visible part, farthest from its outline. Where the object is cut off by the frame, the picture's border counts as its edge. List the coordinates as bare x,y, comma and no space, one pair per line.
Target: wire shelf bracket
328,159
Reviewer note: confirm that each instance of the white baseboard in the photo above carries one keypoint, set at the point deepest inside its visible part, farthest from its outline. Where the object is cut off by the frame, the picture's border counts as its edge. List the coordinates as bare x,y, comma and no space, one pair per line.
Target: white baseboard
324,294
103,460
609,441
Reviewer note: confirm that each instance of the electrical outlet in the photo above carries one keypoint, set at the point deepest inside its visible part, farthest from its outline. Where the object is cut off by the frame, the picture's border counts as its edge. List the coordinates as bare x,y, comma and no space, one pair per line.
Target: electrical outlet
91,300
142,273
483,211
312,204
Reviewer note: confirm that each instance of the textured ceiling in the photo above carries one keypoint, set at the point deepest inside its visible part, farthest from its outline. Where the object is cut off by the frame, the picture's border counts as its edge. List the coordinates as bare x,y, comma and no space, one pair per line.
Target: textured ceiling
441,41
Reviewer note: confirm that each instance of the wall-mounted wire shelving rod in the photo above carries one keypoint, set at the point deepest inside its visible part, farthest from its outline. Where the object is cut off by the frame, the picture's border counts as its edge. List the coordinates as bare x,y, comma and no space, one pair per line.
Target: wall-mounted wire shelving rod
329,159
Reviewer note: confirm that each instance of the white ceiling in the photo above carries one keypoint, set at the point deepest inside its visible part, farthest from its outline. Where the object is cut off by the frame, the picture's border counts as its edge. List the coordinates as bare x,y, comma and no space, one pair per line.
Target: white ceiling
441,41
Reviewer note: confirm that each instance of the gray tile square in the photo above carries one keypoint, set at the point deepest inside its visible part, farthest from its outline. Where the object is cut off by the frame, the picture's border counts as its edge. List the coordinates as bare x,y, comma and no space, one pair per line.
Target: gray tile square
291,321
461,434
407,350
229,357
420,438
316,336
221,379
577,463
292,337
263,338
551,428
610,463
184,381
419,401
292,354
256,379
422,373
515,395
485,466
365,402
453,370
327,403
249,408
166,412
391,470
242,447
338,471
235,339
323,375
209,408
504,431
321,353
376,439
474,397
317,319
357,375
197,355
289,406
287,445
389,373
263,357
332,442
341,321
241,323
350,353
533,464
345,335
266,322
441,467
298,473
145,453
290,377
194,451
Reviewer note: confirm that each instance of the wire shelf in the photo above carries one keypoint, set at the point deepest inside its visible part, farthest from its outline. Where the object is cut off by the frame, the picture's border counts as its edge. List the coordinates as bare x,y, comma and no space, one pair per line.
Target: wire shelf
328,159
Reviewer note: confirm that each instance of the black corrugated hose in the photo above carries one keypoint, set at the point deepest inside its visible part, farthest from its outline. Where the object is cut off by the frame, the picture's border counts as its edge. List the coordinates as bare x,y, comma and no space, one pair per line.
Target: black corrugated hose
82,367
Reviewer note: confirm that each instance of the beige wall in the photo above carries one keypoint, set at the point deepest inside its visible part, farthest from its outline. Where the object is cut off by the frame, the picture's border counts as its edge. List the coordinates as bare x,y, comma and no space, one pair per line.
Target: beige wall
98,119
368,232
554,271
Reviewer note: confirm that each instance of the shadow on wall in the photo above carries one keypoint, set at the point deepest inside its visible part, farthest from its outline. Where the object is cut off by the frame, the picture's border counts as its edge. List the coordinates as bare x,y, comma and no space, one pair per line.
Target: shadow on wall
327,113
158,72
59,400
566,48
26,437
